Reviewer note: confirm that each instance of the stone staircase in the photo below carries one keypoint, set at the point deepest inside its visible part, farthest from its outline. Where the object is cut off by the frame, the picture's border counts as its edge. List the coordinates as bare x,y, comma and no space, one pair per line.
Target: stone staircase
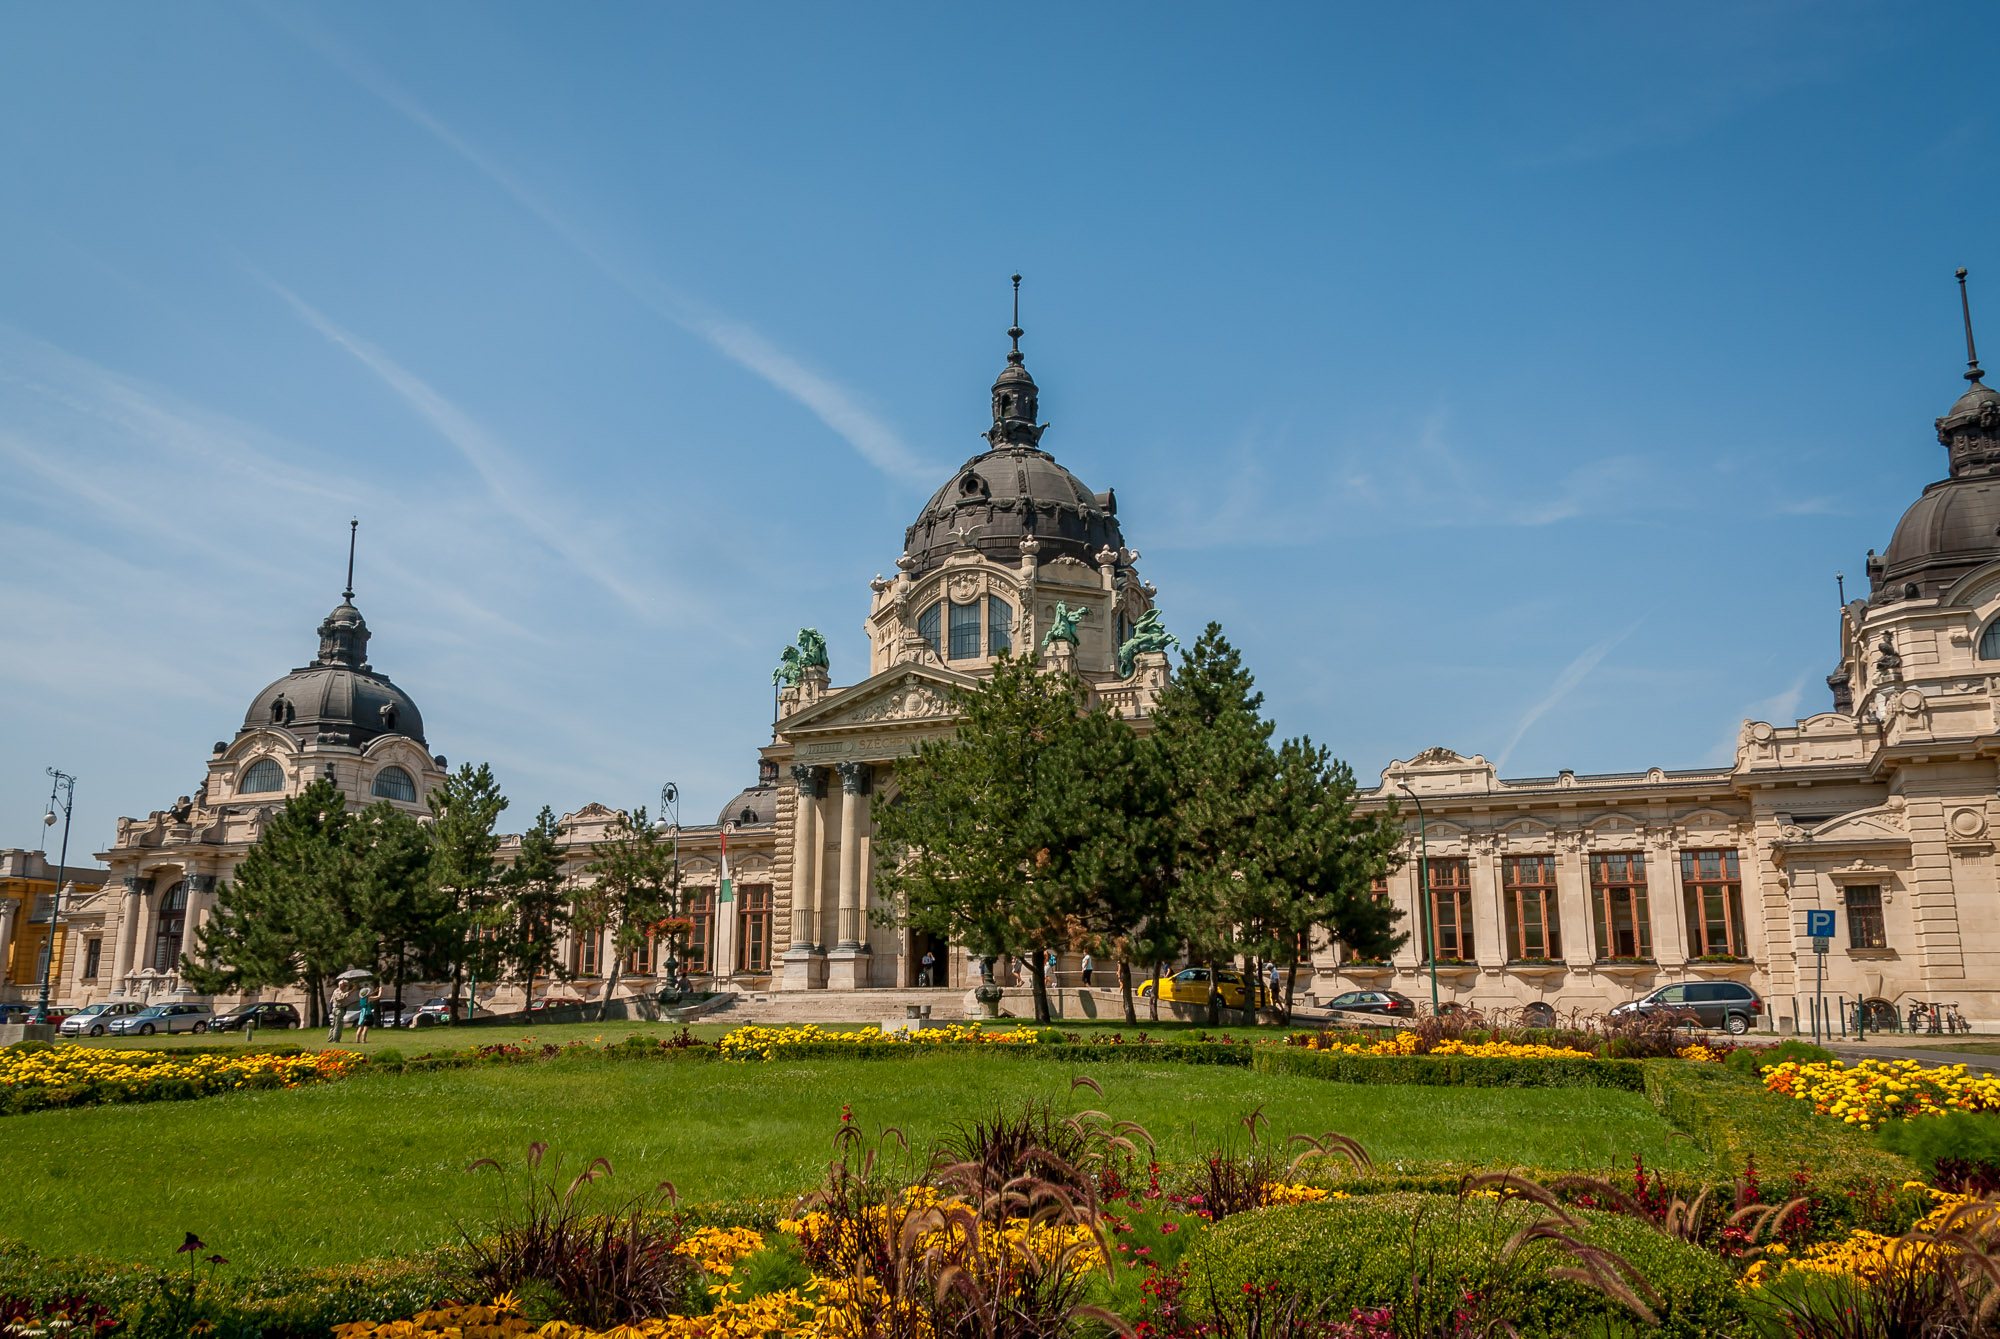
779,1007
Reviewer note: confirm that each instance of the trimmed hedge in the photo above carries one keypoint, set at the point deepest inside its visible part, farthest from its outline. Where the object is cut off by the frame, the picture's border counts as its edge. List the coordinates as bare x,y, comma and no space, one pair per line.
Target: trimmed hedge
1165,1053
1370,1252
1452,1071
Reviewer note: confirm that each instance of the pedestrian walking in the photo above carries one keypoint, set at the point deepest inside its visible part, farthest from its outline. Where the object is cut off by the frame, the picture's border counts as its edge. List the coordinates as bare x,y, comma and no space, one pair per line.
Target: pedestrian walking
1049,967
337,1015
930,968
1088,967
365,1017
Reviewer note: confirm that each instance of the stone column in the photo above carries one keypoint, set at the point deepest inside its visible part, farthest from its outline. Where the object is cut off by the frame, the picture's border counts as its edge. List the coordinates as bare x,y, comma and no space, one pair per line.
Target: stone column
125,947
806,851
847,965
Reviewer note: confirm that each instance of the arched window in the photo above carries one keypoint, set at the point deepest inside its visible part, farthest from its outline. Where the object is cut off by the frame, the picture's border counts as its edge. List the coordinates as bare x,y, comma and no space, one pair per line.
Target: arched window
999,625
264,775
172,921
1989,641
927,628
393,783
964,631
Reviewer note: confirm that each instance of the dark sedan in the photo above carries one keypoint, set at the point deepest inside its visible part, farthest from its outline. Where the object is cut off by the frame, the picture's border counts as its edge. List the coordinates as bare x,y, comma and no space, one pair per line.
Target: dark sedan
1391,1003
269,1013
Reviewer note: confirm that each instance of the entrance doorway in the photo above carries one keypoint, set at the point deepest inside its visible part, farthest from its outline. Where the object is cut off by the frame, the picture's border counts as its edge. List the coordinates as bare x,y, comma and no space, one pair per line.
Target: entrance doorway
922,945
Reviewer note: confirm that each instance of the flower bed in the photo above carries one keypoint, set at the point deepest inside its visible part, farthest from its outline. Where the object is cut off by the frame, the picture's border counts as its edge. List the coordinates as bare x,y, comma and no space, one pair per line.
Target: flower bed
1453,1069
1873,1091
1408,1043
762,1043
86,1075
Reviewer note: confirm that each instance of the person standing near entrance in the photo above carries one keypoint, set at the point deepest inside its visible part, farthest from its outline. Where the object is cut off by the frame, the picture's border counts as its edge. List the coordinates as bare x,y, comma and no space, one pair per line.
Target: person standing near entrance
930,968
1088,967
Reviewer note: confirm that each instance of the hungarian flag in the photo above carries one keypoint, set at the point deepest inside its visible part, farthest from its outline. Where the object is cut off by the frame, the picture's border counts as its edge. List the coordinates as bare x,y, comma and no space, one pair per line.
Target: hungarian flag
724,894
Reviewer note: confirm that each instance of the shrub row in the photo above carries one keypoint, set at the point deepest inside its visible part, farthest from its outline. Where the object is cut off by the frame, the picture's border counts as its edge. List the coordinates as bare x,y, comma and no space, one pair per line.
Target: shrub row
1433,1255
1452,1071
1165,1053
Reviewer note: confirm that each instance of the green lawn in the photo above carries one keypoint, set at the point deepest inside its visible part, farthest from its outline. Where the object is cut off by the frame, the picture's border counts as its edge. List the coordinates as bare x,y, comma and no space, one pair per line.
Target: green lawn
414,1042
372,1166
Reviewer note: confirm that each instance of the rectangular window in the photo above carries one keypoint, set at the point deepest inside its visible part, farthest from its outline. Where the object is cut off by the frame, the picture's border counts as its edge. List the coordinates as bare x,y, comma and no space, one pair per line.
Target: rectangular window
1379,887
964,632
753,930
1618,905
999,625
1529,891
640,960
93,956
1451,908
927,628
586,948
1864,916
701,940
1712,890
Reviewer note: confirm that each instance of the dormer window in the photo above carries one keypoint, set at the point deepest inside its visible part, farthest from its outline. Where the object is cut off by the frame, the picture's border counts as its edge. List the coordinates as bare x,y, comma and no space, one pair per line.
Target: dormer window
1989,641
263,775
927,628
964,631
999,625
393,783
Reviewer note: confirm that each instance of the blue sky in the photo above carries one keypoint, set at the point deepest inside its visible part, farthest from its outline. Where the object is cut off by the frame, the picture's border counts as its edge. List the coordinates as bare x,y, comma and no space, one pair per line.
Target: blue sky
1508,378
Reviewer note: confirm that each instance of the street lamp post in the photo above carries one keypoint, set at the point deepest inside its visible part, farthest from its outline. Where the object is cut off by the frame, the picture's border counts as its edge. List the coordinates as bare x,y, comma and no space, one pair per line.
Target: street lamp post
63,792
670,809
1424,890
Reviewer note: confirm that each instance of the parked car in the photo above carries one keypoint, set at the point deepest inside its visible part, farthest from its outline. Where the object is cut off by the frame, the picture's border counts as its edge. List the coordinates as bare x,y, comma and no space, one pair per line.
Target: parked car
1392,1003
387,1014
21,1013
93,1019
1723,1004
1190,986
431,1013
167,1018
266,1013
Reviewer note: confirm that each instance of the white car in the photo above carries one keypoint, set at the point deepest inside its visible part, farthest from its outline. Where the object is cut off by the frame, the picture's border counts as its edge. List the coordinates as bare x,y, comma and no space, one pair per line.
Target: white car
93,1020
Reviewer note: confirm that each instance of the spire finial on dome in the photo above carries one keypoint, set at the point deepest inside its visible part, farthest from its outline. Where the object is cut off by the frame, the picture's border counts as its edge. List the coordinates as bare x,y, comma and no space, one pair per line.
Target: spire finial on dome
352,526
1014,331
1972,372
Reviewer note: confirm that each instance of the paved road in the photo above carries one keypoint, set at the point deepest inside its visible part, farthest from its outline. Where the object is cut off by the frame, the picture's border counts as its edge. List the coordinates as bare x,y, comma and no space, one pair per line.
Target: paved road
1978,1064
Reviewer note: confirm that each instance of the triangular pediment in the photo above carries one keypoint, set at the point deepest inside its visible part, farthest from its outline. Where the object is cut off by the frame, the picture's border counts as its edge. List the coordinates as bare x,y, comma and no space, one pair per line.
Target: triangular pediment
900,695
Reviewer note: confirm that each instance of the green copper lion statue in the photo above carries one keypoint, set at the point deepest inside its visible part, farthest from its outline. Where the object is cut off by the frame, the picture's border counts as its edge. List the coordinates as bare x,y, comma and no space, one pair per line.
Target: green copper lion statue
1148,634
808,653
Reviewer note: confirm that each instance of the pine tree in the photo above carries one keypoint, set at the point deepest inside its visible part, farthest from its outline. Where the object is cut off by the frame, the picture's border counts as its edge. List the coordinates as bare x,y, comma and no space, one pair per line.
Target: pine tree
401,905
1323,858
635,887
293,913
1100,812
1216,750
964,848
465,868
536,905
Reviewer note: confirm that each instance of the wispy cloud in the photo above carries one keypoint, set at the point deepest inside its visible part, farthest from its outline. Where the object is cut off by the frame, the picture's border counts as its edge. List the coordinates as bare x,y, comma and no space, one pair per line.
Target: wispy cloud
833,404
1781,708
1573,674
1811,506
520,497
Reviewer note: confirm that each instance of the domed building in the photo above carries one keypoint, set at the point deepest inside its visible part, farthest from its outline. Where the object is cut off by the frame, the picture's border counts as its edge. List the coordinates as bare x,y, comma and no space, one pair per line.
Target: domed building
336,718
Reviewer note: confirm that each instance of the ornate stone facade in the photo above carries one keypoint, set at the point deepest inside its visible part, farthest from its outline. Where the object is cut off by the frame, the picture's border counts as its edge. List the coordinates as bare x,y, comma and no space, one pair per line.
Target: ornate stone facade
1577,891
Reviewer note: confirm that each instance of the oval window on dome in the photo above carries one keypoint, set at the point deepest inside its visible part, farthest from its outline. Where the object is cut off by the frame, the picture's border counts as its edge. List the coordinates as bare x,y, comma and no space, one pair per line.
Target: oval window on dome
393,783
1989,641
264,775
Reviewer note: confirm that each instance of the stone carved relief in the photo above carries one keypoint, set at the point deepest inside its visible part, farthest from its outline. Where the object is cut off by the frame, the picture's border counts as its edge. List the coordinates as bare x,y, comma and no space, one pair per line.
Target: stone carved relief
911,702
965,587
1432,757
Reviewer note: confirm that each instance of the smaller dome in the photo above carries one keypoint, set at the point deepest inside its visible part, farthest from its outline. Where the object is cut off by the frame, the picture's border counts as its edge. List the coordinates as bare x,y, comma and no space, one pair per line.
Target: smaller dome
758,804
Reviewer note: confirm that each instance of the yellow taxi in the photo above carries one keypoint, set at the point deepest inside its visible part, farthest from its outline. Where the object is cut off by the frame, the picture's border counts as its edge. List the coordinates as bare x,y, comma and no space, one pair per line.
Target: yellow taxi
1190,986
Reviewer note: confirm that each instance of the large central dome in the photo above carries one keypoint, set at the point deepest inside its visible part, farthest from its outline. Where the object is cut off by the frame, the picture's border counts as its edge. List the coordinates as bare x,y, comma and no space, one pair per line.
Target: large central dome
1015,489
339,699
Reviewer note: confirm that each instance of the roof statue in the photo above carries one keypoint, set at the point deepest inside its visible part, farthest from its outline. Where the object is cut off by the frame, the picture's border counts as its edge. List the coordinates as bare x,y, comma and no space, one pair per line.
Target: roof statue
1148,634
808,653
1062,627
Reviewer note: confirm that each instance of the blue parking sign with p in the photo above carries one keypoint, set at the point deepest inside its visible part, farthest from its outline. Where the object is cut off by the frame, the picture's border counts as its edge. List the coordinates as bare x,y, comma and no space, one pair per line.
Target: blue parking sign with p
1819,924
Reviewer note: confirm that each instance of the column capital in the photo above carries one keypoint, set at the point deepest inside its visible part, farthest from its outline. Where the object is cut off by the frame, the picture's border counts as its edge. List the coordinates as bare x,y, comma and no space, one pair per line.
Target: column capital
811,780
855,777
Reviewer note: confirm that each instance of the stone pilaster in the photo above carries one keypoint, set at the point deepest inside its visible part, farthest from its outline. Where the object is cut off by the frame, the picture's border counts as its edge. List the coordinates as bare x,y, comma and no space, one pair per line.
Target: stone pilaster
804,965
